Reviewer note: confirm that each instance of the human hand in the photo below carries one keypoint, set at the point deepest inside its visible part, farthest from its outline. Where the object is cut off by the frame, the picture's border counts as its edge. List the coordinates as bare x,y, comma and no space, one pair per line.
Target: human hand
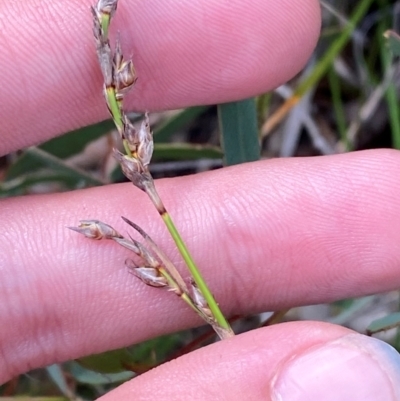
267,235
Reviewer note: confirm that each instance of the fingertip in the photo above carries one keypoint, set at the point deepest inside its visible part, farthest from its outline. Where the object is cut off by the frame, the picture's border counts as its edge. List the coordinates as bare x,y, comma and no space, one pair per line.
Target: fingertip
297,361
239,368
189,53
352,367
224,51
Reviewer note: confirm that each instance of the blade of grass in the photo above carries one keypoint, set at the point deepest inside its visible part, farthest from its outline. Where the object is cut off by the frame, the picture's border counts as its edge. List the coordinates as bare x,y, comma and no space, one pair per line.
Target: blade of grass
320,68
352,310
239,132
57,164
87,376
262,105
61,147
22,184
393,41
385,323
164,132
75,141
391,92
58,377
338,108
186,151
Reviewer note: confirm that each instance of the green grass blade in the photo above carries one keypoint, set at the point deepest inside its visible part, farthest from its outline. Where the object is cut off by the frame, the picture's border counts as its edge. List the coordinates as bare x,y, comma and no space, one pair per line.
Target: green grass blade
384,323
57,376
262,106
23,184
92,378
320,68
62,147
326,61
186,151
391,97
394,114
164,132
393,42
338,107
239,132
75,141
39,156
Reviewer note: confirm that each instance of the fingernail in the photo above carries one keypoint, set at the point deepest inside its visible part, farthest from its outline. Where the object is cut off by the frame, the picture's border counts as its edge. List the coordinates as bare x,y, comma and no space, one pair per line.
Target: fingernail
353,367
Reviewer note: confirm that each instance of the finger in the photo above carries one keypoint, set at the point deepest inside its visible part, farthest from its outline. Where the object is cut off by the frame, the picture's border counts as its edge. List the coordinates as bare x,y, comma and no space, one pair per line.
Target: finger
267,235
199,52
295,361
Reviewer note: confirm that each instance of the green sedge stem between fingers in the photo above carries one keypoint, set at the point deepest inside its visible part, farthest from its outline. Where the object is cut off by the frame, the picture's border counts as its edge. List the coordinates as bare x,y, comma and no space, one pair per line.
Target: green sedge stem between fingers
216,311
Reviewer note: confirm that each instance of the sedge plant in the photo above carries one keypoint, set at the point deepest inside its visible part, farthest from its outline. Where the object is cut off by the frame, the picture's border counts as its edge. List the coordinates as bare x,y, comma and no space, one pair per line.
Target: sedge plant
154,268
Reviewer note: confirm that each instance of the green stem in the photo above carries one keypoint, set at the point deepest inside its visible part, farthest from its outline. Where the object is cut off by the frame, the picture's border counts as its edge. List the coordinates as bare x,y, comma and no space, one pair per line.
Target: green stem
176,287
391,92
319,70
198,278
338,108
325,62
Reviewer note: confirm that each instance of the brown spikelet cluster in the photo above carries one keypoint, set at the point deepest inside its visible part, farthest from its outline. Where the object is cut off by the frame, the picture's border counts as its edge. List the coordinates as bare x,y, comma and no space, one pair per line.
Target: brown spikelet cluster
154,269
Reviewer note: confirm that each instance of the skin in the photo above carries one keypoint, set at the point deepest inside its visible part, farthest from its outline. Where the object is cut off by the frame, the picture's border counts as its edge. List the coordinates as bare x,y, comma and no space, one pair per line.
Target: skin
267,235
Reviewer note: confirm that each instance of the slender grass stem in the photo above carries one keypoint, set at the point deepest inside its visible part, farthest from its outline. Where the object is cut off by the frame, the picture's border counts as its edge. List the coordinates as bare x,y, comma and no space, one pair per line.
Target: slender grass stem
320,68
338,107
187,257
119,76
391,96
195,272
